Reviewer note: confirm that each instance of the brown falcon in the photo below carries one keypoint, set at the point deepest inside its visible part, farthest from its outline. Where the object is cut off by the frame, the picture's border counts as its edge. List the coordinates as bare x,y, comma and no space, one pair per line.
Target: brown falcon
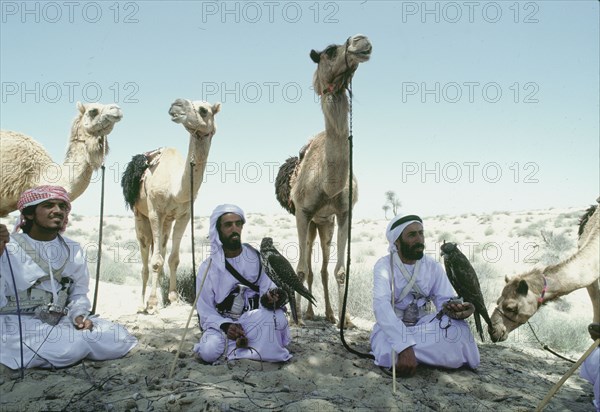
463,278
282,274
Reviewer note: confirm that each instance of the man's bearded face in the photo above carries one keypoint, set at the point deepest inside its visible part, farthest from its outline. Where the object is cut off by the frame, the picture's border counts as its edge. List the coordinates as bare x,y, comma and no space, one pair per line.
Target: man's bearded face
412,252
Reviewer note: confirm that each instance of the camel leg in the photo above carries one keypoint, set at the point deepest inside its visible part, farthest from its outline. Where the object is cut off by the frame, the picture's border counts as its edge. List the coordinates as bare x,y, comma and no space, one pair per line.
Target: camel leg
340,267
178,229
326,236
302,222
312,234
594,292
144,238
157,260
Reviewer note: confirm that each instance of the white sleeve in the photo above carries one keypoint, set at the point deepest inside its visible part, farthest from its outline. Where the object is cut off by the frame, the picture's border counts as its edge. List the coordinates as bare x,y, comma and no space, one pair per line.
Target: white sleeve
79,303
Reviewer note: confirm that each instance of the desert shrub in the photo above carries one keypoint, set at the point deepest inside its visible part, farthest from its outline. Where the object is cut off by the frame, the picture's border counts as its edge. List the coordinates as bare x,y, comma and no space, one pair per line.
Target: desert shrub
73,217
532,230
560,331
445,236
360,292
518,220
484,219
110,270
186,286
488,231
556,247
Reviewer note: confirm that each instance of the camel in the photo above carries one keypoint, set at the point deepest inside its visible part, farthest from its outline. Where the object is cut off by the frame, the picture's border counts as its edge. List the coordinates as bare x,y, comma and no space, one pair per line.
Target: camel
157,188
315,187
524,294
25,163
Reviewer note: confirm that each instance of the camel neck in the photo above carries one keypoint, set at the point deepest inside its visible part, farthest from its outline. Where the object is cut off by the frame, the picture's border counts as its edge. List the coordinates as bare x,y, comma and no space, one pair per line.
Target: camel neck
335,111
84,155
197,153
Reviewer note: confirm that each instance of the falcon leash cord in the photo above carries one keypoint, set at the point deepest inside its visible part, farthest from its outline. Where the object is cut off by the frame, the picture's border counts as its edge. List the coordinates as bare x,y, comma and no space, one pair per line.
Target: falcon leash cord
100,229
350,193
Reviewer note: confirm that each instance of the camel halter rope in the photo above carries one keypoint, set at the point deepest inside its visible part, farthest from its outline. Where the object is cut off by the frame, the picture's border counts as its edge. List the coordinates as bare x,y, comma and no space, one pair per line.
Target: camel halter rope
192,164
102,168
540,302
350,193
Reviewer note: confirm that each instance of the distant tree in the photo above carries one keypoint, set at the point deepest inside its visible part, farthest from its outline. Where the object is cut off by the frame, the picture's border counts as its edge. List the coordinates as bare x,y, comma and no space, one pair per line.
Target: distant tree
392,202
385,208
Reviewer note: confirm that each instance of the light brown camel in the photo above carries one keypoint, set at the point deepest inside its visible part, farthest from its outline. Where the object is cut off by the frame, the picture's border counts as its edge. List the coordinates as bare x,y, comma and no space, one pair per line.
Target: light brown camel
524,294
157,188
25,163
315,188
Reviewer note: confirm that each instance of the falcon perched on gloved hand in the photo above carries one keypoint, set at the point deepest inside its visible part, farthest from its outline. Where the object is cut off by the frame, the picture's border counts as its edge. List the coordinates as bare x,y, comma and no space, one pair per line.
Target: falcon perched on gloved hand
282,274
463,278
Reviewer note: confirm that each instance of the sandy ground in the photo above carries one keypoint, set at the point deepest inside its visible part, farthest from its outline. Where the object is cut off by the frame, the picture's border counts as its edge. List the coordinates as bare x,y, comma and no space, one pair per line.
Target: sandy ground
322,375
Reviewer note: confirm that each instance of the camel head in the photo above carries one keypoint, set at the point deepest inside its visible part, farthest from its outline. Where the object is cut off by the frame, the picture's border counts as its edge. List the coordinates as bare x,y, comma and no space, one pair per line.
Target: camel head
93,123
98,119
519,300
337,64
197,117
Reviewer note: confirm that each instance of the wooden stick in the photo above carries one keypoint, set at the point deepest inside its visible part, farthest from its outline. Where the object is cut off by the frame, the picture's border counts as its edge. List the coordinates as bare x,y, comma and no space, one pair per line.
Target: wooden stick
189,319
393,351
562,380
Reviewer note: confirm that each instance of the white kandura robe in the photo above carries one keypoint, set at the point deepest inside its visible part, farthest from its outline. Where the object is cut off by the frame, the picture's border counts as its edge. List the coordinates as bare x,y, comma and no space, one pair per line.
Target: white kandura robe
450,348
47,346
267,331
590,370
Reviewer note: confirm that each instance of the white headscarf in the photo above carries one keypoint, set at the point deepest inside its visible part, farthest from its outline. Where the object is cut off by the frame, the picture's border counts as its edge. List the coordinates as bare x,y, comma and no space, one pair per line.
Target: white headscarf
216,246
397,226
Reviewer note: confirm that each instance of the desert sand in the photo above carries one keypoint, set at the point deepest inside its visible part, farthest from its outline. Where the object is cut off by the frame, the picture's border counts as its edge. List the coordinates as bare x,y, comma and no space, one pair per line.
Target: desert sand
322,375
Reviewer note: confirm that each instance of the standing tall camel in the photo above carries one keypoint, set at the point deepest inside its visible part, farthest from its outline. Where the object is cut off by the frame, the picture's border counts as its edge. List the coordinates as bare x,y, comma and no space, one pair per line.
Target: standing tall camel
24,163
157,188
315,187
524,294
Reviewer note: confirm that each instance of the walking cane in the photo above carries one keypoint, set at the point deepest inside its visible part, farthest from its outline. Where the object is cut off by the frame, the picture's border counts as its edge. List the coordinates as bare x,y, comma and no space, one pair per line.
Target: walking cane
562,380
189,319
393,303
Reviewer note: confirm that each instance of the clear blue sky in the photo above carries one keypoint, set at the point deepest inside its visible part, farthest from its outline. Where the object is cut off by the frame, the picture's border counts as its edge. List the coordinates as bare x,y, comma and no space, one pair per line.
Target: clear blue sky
463,107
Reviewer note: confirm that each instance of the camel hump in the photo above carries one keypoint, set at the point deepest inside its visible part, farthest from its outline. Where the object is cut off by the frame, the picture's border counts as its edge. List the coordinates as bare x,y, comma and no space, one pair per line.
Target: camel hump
132,178
283,188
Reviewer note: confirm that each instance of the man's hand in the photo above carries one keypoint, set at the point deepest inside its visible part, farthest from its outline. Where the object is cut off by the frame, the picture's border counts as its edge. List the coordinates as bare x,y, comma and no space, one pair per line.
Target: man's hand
4,238
82,322
407,363
235,331
273,296
459,310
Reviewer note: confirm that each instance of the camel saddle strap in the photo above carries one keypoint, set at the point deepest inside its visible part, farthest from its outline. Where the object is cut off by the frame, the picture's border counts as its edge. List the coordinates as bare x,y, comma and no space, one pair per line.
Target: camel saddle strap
30,251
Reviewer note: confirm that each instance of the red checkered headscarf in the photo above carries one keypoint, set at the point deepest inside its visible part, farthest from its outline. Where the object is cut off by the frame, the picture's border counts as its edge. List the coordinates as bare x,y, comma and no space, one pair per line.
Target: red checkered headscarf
37,195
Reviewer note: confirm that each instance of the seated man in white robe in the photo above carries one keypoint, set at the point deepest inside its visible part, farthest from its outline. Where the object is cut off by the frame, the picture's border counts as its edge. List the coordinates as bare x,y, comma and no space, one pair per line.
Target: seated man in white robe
408,332
44,281
235,295
590,368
